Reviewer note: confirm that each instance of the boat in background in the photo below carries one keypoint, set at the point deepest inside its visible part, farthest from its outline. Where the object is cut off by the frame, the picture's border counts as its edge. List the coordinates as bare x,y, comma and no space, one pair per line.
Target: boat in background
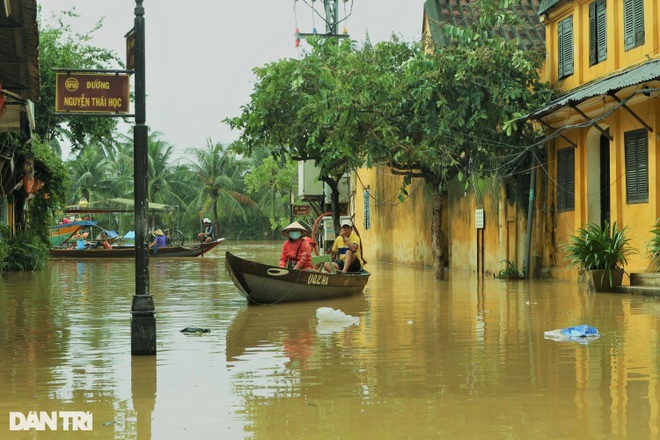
64,232
192,250
263,284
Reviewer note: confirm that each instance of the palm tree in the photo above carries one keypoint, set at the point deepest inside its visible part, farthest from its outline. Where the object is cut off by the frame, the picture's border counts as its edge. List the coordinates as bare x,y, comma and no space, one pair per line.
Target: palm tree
89,175
273,183
220,174
166,181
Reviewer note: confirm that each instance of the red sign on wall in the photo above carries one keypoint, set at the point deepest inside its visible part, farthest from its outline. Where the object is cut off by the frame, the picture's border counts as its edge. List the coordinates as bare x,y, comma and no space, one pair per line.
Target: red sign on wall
91,93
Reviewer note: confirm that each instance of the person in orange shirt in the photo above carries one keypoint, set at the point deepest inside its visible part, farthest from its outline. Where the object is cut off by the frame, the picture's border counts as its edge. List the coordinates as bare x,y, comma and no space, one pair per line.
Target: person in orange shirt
296,252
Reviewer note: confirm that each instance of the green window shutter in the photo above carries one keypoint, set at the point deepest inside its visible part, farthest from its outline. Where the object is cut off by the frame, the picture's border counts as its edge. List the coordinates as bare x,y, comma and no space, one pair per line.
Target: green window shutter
593,35
601,30
633,23
643,166
631,169
637,173
566,179
565,46
639,22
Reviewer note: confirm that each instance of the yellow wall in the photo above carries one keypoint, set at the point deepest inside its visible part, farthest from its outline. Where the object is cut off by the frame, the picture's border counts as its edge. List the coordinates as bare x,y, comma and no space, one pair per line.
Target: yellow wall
640,217
504,234
400,231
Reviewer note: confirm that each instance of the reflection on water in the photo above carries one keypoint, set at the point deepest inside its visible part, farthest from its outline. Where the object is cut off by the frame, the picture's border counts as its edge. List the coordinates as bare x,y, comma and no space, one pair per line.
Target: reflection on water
460,358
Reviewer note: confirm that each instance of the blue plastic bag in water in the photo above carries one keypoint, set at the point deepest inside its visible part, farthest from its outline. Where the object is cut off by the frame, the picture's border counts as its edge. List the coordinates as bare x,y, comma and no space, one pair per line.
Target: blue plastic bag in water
579,331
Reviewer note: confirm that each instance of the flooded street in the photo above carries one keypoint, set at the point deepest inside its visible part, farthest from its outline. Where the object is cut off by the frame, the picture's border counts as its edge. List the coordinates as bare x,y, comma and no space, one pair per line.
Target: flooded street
463,358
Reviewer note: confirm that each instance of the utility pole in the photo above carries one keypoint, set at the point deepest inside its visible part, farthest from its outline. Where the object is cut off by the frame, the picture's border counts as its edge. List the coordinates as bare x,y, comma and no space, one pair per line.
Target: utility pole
143,312
331,16
331,9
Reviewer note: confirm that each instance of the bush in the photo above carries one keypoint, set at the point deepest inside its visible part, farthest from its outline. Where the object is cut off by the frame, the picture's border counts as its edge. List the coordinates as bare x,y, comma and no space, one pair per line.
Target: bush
25,251
596,248
4,248
654,248
510,271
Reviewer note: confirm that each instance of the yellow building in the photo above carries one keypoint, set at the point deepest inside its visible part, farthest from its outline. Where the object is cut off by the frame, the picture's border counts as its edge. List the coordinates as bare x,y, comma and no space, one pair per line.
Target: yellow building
603,60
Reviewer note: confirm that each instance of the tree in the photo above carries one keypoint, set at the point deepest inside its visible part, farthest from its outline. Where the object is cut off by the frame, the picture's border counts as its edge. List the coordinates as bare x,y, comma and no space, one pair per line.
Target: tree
219,173
60,47
89,176
306,110
437,114
452,111
273,182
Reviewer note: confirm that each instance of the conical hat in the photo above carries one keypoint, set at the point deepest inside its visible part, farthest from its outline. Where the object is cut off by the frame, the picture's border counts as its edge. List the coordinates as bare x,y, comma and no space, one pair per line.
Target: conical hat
295,226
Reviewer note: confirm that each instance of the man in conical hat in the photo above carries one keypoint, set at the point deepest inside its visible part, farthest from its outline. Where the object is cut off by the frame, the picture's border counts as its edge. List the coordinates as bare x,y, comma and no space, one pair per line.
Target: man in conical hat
296,253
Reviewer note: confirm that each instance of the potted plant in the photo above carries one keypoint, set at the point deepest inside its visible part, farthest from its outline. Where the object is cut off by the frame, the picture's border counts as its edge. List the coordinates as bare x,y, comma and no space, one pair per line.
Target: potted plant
599,253
654,248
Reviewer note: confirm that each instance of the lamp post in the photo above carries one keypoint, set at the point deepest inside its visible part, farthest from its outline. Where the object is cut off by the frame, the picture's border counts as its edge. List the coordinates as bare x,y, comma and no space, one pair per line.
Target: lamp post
143,319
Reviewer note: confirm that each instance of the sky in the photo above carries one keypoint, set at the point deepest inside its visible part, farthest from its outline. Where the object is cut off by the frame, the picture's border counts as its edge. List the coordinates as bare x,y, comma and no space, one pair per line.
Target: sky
200,53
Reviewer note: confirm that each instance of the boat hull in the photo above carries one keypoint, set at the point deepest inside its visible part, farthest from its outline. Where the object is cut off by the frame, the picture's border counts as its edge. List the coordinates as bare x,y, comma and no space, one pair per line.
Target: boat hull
129,252
263,284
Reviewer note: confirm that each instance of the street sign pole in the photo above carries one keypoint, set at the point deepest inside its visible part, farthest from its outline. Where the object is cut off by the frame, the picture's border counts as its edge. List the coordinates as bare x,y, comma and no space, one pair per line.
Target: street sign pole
143,312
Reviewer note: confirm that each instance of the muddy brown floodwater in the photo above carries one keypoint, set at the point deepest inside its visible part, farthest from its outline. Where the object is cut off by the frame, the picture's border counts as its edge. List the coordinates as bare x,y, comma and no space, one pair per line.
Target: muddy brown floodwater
463,358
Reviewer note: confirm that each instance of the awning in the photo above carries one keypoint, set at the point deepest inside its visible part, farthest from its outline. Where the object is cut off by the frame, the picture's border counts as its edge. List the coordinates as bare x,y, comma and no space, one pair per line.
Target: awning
648,71
117,205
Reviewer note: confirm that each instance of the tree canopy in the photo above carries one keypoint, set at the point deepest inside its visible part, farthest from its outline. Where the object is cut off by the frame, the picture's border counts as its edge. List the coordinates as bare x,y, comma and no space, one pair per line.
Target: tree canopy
61,47
427,111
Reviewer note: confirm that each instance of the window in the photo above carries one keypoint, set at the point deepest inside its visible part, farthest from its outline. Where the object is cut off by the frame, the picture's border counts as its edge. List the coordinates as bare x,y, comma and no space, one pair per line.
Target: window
566,179
637,170
633,23
597,32
565,45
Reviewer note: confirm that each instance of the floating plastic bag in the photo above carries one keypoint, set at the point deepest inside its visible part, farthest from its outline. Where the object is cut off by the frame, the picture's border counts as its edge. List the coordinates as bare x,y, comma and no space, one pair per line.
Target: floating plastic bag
330,314
332,321
580,333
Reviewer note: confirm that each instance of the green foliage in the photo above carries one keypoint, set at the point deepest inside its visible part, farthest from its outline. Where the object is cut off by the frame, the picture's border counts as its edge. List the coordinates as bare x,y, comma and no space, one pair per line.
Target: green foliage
53,172
599,248
510,271
273,182
312,109
654,248
25,251
61,47
4,248
432,112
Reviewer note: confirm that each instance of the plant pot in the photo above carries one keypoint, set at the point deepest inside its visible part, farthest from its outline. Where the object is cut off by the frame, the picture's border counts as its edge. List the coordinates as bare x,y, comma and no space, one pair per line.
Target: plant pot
599,280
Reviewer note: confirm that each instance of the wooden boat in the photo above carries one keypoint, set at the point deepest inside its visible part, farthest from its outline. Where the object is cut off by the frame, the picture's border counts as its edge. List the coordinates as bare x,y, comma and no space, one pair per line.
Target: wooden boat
263,284
62,233
193,250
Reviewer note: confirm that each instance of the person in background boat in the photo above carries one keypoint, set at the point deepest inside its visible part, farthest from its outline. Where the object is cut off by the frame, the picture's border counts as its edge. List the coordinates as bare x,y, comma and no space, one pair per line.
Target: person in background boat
296,252
346,250
160,240
80,242
206,236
